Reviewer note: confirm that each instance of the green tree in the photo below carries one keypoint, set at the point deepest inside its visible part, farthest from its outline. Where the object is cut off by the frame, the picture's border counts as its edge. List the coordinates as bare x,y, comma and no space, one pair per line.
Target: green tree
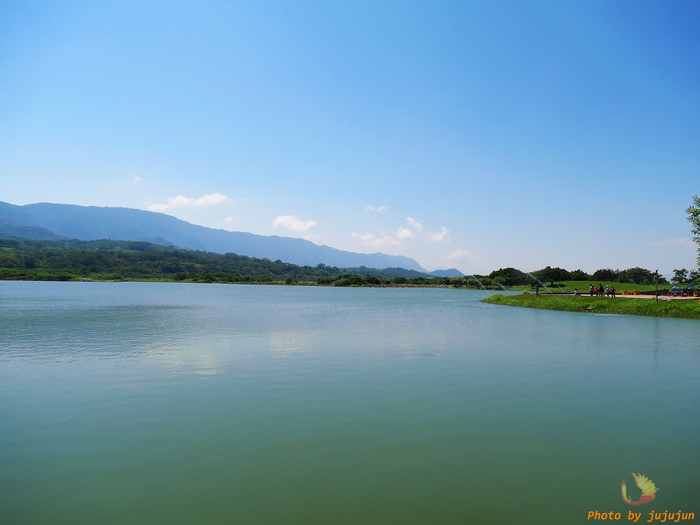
607,274
471,282
457,282
679,276
513,276
638,276
372,280
693,212
552,275
579,275
499,280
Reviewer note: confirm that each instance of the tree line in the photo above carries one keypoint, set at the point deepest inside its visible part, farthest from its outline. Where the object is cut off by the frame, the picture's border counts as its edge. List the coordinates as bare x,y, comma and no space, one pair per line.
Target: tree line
515,277
26,259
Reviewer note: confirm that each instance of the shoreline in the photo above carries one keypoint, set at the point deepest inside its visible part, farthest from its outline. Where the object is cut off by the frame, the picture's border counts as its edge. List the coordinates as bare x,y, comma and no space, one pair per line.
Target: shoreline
675,307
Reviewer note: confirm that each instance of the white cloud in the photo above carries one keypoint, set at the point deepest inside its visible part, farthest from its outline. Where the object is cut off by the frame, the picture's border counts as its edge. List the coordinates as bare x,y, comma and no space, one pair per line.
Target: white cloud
442,236
213,199
137,180
403,234
384,240
380,209
290,222
459,255
369,239
415,224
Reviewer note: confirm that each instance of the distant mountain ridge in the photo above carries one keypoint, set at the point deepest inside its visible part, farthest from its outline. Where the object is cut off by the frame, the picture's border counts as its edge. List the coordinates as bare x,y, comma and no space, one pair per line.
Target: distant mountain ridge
451,272
55,221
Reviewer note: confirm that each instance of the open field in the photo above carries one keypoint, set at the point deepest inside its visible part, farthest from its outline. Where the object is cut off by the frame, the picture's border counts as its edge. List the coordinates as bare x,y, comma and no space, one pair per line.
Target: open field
626,305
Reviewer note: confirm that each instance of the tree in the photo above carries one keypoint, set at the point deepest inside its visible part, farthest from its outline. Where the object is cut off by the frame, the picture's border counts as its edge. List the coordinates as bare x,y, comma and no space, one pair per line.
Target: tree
552,275
638,275
579,275
372,280
606,274
457,281
513,276
679,276
693,212
499,280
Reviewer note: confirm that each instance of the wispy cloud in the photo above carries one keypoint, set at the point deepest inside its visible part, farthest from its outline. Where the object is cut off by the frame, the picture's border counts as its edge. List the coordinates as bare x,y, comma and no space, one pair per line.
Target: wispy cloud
380,209
414,223
460,255
137,180
376,241
206,200
290,222
440,236
384,240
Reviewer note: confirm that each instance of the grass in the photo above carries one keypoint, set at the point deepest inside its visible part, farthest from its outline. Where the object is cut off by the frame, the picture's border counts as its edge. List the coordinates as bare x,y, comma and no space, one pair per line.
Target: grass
684,309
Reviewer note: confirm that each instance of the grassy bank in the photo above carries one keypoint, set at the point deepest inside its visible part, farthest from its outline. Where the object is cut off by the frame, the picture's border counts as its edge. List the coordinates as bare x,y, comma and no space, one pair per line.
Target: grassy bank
570,286
685,309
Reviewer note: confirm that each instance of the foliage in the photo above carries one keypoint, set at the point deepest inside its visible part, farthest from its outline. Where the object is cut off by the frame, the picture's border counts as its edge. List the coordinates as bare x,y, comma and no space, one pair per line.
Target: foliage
634,275
606,274
26,259
680,276
552,275
637,276
120,260
512,276
579,275
693,212
499,280
135,260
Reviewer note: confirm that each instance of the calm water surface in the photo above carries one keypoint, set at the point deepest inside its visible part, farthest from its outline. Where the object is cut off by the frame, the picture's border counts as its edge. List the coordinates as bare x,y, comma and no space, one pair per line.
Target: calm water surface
140,403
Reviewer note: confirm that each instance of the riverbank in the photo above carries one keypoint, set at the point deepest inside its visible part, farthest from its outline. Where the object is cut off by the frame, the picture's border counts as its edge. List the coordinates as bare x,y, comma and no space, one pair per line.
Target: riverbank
625,305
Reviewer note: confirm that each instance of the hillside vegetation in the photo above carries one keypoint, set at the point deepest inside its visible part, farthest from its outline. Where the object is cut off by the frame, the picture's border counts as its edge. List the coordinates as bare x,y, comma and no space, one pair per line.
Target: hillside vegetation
135,260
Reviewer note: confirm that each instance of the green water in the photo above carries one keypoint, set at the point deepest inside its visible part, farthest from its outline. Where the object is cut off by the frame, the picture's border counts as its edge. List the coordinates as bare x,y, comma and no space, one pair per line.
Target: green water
140,403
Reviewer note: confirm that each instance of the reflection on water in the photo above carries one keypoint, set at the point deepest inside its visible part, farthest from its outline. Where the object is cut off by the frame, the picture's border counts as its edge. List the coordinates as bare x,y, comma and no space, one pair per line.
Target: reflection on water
178,403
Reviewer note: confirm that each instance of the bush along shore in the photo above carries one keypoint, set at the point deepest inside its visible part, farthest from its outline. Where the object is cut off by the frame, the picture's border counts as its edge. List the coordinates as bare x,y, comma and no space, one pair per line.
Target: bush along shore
629,305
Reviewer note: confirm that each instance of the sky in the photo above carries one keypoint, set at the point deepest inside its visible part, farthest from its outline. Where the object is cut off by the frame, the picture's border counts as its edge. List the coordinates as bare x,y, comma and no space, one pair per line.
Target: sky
474,135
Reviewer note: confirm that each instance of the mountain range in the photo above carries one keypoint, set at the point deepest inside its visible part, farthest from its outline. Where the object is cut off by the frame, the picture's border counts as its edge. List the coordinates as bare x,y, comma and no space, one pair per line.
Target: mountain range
61,221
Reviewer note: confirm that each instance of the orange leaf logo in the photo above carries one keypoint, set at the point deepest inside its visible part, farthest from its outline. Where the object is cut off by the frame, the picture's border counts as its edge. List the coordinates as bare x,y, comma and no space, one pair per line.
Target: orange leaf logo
644,483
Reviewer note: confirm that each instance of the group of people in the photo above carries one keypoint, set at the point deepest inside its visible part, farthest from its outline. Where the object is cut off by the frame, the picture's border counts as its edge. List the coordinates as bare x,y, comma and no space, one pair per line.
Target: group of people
601,290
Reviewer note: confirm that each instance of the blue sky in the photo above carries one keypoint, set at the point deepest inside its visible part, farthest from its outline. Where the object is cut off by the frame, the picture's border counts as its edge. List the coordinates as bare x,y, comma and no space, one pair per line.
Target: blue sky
475,135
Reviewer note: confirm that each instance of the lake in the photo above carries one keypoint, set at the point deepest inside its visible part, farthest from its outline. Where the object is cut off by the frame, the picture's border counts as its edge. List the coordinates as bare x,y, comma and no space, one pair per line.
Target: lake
150,403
